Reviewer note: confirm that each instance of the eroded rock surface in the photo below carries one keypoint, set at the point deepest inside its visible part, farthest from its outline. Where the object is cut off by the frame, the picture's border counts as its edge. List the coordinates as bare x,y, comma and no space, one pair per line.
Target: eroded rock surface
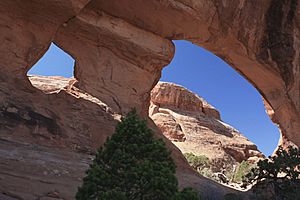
120,48
260,39
73,126
30,171
195,126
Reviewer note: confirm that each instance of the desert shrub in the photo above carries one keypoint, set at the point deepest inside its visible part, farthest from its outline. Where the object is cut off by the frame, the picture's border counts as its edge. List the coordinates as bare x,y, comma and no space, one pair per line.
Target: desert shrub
201,164
278,176
207,173
197,162
132,165
242,170
204,166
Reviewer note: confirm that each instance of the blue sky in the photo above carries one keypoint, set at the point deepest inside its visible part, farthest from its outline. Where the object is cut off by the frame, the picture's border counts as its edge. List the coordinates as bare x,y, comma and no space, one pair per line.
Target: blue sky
202,72
55,62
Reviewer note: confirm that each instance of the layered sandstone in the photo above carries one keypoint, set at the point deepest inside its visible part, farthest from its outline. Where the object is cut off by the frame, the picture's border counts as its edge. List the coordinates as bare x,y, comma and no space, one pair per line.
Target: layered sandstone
195,126
260,39
120,48
55,150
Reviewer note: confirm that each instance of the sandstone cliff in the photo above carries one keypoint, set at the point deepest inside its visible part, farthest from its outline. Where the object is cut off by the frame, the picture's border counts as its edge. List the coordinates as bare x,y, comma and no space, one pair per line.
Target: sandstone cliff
195,126
54,157
120,48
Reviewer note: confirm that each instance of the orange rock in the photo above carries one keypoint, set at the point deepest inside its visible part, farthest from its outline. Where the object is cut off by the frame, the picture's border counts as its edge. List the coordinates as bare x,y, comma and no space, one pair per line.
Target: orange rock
181,117
120,48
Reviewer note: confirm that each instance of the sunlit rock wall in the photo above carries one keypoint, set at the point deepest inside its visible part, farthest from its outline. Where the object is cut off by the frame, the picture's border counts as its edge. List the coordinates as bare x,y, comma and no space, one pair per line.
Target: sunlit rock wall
120,48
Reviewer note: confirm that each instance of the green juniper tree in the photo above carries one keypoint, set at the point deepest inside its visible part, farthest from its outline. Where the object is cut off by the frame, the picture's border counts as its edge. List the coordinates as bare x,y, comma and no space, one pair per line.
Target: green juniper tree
132,165
280,173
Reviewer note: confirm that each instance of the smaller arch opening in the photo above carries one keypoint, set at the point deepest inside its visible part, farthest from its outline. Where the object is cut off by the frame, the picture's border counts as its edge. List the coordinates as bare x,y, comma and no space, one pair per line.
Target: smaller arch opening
53,71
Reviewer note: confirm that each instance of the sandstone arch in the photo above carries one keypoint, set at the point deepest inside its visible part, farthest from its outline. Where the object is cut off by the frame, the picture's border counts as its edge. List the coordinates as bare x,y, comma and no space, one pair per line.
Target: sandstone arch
257,38
260,39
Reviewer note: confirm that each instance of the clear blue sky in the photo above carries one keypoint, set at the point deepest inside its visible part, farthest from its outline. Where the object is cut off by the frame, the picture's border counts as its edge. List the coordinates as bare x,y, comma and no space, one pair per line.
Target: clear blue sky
207,75
55,62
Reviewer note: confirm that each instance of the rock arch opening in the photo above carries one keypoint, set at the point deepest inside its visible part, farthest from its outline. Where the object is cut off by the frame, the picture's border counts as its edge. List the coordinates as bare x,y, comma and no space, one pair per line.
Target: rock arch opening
230,128
55,62
53,70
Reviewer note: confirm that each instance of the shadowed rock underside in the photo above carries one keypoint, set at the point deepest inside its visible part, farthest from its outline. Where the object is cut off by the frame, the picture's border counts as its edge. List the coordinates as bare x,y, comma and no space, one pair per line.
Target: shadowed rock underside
120,48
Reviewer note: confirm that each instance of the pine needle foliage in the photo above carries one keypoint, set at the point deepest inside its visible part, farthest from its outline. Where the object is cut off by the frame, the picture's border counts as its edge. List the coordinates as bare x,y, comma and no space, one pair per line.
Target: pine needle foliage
132,165
280,172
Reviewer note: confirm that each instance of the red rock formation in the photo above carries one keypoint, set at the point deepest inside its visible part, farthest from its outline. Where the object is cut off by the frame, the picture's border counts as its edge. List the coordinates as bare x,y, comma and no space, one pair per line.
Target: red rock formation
120,47
183,118
260,39
175,97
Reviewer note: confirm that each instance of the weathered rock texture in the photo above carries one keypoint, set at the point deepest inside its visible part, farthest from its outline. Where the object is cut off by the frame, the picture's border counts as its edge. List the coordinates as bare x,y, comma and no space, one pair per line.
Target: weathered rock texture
120,47
260,39
195,126
35,146
29,171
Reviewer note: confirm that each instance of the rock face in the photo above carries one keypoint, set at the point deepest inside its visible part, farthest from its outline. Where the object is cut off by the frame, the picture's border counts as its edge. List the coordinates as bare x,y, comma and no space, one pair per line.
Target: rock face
45,146
120,48
29,171
195,126
260,39
173,96
58,147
